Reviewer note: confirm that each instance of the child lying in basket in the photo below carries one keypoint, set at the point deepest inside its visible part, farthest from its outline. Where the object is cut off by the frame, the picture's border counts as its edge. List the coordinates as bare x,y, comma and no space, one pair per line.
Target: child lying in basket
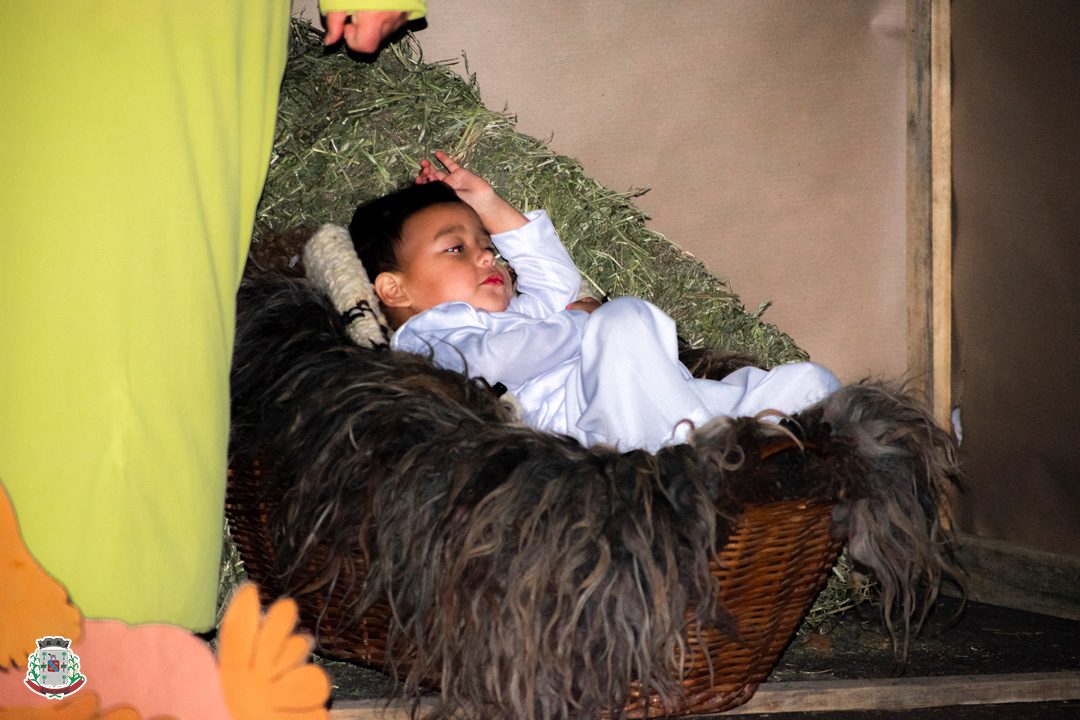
605,373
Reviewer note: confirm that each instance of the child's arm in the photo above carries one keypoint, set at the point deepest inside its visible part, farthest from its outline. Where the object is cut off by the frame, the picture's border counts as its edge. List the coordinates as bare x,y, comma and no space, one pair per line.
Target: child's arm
511,349
496,214
547,279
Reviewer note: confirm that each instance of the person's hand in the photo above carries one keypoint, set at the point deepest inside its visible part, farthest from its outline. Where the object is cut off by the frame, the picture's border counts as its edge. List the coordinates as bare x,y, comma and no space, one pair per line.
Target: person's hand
469,186
585,304
363,30
496,214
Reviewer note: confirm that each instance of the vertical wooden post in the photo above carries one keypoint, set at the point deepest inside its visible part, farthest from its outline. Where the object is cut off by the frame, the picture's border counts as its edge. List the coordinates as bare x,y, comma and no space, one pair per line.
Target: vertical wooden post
929,203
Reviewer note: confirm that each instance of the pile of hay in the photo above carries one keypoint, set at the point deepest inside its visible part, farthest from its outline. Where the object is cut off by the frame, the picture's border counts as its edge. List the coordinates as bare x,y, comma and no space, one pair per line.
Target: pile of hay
349,131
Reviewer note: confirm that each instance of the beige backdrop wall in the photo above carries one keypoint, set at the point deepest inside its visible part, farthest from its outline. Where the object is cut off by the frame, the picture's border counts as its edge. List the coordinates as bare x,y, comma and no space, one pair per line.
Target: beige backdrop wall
771,134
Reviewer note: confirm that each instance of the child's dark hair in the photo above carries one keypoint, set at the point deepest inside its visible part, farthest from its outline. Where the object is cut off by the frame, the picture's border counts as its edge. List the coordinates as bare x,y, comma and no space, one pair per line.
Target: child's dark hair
376,225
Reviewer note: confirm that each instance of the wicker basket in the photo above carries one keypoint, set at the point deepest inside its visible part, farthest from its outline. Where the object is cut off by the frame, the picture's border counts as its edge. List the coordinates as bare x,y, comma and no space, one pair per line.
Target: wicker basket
770,570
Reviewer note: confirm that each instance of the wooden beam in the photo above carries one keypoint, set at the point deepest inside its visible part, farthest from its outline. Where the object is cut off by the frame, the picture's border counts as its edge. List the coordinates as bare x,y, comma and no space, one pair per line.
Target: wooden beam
1007,575
929,203
918,195
838,695
911,693
941,207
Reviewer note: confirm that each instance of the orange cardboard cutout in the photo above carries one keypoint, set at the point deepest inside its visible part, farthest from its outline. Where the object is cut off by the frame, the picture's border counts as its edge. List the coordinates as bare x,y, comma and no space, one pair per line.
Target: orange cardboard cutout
154,670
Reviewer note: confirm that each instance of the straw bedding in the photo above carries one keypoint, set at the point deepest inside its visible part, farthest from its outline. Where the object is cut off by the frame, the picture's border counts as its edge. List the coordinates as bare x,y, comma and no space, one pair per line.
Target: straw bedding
528,576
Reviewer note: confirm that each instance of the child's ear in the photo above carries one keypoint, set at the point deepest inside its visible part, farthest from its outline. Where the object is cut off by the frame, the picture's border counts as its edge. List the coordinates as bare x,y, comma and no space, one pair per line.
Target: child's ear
390,290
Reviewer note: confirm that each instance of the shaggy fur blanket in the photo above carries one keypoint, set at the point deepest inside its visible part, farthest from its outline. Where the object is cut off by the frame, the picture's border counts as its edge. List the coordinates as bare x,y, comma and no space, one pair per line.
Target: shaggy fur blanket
528,575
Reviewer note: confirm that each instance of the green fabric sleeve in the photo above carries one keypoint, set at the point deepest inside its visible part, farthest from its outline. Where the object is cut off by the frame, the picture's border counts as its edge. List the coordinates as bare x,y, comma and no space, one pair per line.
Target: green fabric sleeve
136,141
415,8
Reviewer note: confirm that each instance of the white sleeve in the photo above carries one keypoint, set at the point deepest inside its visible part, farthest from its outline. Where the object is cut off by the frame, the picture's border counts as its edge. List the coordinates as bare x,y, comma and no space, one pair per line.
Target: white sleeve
500,347
547,279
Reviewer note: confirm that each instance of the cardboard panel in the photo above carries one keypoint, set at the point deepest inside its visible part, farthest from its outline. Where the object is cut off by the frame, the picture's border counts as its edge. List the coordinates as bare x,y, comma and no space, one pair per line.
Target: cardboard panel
1016,79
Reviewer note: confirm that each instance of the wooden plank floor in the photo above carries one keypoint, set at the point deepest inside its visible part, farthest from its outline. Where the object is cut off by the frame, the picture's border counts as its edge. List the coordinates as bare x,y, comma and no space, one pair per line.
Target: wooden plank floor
803,696
991,656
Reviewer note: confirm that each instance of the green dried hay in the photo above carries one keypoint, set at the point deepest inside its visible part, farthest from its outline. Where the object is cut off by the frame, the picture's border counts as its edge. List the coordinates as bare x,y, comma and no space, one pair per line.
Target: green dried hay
845,589
350,131
232,571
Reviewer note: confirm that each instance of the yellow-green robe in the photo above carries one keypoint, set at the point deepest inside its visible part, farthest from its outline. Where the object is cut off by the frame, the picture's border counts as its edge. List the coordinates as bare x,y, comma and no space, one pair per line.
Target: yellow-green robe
134,142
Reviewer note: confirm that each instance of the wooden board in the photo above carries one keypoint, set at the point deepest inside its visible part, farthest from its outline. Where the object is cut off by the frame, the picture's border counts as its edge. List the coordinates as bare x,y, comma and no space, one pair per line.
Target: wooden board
837,695
1007,575
929,203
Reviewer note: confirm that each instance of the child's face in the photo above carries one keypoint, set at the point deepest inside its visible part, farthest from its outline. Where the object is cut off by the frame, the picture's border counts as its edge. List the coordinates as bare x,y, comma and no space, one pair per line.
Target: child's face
445,255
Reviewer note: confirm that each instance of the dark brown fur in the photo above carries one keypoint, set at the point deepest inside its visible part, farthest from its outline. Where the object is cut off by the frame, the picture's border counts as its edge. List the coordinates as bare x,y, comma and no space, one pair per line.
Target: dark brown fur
536,578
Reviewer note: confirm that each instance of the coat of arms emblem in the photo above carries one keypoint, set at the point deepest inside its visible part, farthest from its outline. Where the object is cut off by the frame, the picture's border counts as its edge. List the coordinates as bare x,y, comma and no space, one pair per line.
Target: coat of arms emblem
53,669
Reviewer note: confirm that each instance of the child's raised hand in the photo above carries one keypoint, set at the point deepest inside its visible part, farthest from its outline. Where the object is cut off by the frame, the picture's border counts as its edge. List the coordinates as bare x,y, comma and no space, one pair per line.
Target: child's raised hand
496,214
469,187
429,173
